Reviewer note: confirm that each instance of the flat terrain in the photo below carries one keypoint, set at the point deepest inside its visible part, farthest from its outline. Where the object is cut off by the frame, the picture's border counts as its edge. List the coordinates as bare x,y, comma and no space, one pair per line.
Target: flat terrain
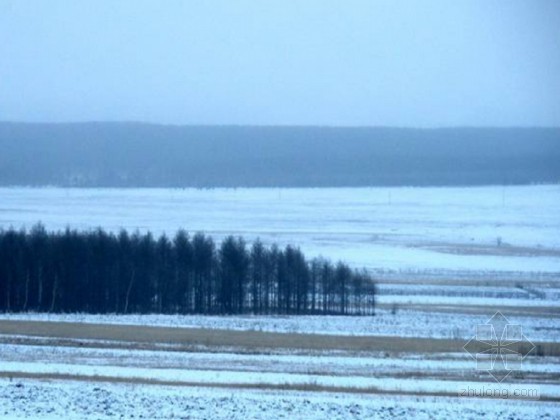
100,361
445,260
28,398
148,337
484,230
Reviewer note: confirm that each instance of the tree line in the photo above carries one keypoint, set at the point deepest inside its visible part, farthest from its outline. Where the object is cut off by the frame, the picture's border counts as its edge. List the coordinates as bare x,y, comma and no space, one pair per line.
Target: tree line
148,155
102,272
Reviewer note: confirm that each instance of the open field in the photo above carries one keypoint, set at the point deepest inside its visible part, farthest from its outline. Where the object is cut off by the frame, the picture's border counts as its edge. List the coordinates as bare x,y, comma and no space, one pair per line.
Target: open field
427,322
112,366
28,398
471,250
464,250
245,341
444,259
400,229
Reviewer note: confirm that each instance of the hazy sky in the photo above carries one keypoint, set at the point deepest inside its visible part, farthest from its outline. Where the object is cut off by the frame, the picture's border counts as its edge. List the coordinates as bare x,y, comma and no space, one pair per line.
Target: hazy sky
345,62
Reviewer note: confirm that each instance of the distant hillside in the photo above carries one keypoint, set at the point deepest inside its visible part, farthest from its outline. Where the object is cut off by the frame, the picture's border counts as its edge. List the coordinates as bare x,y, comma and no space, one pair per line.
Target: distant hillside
144,155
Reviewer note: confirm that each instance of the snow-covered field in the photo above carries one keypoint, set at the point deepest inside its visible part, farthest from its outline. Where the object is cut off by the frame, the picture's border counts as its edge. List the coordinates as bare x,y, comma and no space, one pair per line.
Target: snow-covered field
104,377
236,378
404,323
39,399
442,241
355,370
465,301
80,378
445,259
383,228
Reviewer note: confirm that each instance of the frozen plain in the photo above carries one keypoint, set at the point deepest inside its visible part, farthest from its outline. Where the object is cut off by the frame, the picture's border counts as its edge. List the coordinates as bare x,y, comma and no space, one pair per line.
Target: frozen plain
494,246
378,228
405,323
28,399
96,378
440,272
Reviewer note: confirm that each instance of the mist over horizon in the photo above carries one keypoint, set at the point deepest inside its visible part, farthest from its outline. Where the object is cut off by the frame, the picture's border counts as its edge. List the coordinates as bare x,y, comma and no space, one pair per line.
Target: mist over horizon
313,63
150,155
326,126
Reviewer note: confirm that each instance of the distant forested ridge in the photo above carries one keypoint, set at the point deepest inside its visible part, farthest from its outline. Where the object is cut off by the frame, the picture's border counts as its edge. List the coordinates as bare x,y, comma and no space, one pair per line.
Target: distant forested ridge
100,272
144,155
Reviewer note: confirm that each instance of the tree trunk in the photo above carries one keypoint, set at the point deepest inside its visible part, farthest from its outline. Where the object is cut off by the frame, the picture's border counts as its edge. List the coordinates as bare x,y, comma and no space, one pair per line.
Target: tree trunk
40,291
55,289
26,300
128,291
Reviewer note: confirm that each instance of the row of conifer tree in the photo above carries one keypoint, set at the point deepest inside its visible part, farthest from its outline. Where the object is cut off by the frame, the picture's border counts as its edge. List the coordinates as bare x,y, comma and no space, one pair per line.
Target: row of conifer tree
102,272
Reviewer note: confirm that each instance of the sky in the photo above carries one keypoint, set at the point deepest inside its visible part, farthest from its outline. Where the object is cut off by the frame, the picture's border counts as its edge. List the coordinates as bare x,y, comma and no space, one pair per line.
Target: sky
282,62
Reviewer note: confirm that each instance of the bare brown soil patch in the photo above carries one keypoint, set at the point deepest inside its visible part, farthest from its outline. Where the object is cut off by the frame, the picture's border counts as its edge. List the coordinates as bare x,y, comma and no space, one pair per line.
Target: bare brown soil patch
252,340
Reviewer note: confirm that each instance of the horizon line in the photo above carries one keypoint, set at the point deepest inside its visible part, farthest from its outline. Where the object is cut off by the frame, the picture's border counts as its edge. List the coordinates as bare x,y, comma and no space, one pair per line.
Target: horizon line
237,125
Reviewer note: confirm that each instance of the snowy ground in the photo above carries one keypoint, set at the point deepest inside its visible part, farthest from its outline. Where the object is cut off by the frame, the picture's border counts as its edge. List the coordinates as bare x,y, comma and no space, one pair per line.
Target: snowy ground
428,247
404,323
378,228
241,378
324,368
50,377
440,272
40,399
